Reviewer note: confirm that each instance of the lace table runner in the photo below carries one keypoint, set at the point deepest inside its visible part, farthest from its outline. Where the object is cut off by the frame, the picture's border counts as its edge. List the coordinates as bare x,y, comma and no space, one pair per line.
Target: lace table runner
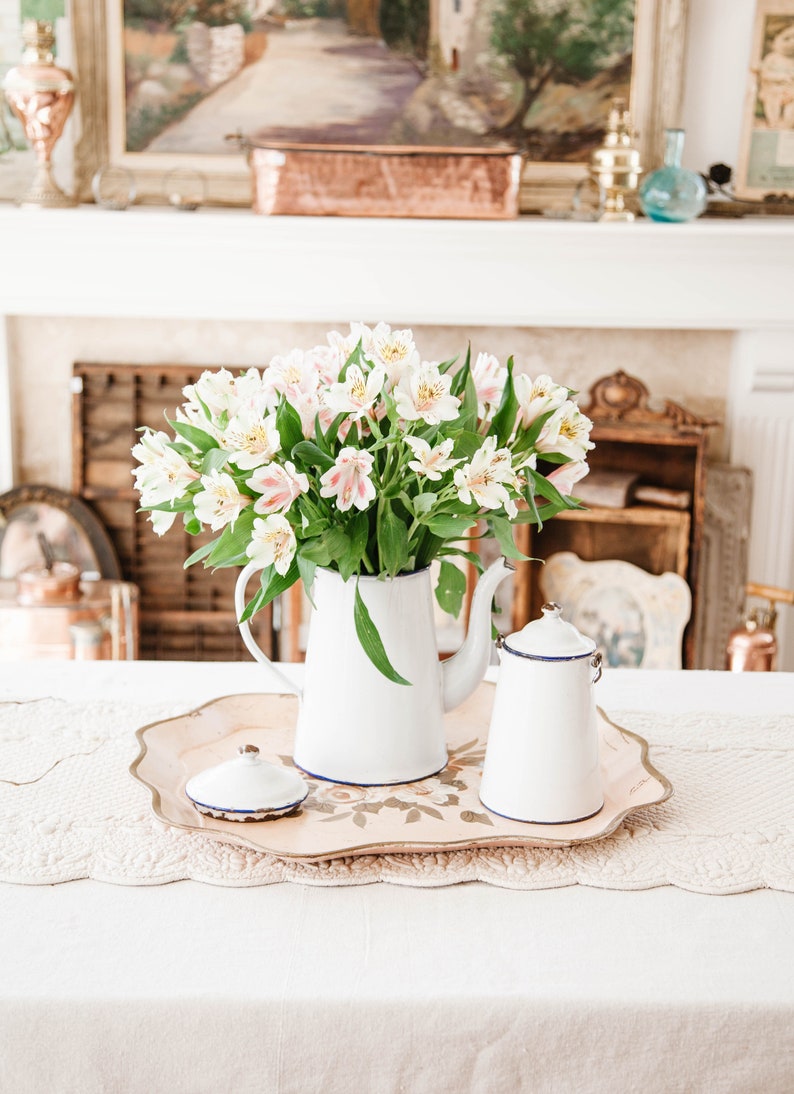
69,809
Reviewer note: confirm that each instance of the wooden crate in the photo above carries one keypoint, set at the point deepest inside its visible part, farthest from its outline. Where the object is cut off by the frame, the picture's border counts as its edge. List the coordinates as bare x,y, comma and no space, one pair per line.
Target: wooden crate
664,448
184,614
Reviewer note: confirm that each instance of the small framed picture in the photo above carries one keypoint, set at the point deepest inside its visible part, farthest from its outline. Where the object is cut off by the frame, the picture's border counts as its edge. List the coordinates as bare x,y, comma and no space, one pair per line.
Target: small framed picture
766,155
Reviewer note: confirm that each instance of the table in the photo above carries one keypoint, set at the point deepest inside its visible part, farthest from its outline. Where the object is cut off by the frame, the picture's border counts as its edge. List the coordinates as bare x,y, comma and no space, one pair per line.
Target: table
190,987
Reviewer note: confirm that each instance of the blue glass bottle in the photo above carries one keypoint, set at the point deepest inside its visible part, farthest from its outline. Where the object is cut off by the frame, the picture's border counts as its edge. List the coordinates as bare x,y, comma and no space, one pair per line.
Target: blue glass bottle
673,193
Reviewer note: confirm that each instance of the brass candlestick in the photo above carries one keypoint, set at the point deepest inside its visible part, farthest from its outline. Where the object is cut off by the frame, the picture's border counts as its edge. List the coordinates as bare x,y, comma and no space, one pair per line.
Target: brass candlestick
41,95
616,164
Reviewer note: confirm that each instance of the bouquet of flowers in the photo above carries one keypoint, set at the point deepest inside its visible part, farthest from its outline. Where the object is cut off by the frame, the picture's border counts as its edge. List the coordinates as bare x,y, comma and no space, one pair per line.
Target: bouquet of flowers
362,457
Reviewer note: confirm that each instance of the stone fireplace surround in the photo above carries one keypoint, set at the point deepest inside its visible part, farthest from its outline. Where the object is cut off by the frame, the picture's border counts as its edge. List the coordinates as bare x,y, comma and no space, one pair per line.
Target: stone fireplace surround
701,313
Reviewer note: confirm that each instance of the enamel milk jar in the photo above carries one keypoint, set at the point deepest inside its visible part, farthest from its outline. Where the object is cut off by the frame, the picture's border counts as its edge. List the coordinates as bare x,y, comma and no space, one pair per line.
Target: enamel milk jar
541,761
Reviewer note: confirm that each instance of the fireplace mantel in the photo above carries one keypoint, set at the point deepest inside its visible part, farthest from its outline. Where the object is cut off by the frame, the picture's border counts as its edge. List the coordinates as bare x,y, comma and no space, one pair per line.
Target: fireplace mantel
229,264
152,263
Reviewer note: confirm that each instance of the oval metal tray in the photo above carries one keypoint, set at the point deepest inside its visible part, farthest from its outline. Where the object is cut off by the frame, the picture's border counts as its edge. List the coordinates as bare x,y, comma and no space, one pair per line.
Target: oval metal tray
440,813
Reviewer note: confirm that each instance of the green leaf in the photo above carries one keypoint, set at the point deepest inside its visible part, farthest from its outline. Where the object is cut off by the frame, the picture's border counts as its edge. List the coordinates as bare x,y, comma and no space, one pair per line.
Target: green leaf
423,503
229,548
505,417
306,569
192,525
371,642
467,444
289,427
312,455
503,531
451,588
467,418
392,540
461,377
447,526
357,533
273,584
193,435
214,460
198,555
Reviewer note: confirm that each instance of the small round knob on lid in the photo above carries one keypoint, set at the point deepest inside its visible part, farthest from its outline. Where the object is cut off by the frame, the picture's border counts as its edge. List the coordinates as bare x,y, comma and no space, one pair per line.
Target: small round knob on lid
550,637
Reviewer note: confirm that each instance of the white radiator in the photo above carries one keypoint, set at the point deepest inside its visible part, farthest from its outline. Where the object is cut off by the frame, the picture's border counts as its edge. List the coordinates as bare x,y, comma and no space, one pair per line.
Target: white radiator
762,438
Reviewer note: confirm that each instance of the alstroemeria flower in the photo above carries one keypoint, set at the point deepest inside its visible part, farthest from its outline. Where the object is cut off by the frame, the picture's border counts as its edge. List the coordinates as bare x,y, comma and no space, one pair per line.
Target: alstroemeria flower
220,502
484,477
163,475
423,393
431,462
536,397
566,475
567,431
161,521
395,350
349,479
279,486
272,542
356,394
221,391
489,381
251,438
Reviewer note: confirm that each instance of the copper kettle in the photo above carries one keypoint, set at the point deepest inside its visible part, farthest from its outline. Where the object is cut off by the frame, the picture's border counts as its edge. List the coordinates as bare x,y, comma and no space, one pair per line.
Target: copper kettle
752,646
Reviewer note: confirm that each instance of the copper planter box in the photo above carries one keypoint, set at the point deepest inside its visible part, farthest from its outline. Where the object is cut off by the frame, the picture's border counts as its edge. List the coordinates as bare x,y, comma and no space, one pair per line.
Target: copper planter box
385,181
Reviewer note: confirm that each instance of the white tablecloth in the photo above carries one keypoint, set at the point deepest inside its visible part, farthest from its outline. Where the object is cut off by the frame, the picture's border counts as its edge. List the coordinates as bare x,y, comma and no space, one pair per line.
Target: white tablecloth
190,987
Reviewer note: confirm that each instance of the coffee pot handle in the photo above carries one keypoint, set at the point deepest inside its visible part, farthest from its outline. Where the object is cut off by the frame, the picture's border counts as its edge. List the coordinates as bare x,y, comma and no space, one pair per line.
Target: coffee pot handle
245,628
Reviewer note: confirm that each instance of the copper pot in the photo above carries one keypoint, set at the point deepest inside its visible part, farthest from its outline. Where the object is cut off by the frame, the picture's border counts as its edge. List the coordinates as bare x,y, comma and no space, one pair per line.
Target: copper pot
57,584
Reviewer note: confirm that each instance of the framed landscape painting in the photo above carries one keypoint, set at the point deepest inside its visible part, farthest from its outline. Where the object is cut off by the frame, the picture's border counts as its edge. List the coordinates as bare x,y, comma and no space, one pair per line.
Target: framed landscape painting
766,157
170,84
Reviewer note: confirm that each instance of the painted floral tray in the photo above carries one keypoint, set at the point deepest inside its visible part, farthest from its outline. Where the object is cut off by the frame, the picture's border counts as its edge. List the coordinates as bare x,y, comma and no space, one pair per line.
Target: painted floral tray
439,813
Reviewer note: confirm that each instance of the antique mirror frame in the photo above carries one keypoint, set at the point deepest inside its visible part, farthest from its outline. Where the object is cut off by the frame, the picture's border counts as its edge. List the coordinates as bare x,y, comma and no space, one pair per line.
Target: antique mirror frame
85,529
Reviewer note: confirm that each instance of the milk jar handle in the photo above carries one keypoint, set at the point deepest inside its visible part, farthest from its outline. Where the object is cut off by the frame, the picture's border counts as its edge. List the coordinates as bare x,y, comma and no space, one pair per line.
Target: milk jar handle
596,663
245,628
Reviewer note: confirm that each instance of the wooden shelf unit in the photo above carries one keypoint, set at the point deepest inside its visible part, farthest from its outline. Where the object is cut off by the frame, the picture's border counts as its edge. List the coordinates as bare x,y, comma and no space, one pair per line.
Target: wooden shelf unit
664,448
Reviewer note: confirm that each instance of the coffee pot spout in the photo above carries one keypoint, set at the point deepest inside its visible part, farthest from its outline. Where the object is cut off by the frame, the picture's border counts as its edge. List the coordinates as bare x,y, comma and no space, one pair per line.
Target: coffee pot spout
462,673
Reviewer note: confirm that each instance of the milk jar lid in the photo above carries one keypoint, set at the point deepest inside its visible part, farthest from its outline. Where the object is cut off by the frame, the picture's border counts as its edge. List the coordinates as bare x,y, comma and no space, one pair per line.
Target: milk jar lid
246,788
549,638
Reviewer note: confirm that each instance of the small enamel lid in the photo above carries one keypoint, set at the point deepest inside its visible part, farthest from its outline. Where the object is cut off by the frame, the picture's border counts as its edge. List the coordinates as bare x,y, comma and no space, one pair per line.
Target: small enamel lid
550,637
246,784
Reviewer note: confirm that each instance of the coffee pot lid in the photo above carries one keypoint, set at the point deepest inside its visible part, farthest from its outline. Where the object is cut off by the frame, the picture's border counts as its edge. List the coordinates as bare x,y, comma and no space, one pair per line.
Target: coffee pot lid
246,788
550,638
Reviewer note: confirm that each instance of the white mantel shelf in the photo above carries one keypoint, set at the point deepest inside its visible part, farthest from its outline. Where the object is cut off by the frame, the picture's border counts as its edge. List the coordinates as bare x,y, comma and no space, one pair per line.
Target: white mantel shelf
233,265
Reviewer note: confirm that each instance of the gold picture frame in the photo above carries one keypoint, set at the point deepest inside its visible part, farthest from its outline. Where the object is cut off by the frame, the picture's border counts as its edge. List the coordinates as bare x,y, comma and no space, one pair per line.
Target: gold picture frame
766,152
655,99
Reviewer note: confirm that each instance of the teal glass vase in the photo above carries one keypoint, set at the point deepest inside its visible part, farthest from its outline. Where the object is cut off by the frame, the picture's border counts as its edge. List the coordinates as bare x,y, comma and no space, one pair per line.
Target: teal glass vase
673,193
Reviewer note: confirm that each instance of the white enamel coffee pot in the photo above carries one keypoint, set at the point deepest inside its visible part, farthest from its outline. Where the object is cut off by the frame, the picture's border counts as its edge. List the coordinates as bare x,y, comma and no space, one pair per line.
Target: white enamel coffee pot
541,760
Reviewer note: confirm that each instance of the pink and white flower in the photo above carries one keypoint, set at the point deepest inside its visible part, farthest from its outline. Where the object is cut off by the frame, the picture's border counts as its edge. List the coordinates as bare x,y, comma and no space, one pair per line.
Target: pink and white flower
395,350
424,393
357,393
279,487
567,431
219,502
221,392
567,475
536,397
484,478
489,381
349,479
272,542
251,438
163,475
431,462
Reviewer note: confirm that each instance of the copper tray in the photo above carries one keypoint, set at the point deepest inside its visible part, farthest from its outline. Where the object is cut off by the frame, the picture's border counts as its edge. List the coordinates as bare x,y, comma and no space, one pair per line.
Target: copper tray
440,813
385,181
